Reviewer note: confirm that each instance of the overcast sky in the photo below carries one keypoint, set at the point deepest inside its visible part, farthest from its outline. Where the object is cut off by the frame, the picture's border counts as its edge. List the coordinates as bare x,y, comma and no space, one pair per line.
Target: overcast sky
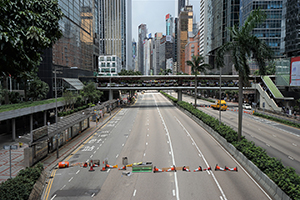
153,12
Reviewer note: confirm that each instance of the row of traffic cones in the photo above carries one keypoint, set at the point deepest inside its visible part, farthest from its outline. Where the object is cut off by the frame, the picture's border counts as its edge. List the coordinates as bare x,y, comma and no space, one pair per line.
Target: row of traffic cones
218,168
184,168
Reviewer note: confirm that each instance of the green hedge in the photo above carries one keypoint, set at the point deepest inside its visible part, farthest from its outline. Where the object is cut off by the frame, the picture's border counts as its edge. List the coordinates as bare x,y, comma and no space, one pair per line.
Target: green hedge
278,120
285,177
20,187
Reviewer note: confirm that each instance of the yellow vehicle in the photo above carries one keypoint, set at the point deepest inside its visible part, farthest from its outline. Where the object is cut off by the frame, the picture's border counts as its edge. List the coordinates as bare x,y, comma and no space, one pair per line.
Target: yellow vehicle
217,105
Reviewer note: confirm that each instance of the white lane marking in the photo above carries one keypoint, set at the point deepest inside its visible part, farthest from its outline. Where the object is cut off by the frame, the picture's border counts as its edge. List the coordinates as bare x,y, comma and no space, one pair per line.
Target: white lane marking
215,179
199,155
77,171
240,167
85,161
171,148
71,179
57,174
98,148
94,151
174,193
108,170
100,145
221,197
168,142
122,145
91,156
144,154
268,144
146,143
63,187
134,193
53,197
93,195
170,152
117,155
147,135
294,144
290,157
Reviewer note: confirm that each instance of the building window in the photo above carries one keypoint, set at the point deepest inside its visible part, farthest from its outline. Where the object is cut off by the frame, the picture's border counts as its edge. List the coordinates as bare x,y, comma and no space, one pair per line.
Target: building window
108,58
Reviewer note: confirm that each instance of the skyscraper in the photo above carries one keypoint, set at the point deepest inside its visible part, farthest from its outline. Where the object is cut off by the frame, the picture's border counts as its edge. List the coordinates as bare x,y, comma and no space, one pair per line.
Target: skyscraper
115,30
292,39
185,25
142,32
270,29
181,4
169,24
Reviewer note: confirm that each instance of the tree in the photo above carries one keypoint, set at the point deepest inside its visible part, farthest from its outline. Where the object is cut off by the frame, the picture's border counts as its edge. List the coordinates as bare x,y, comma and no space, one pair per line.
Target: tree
197,64
37,89
125,72
270,69
165,71
244,44
91,93
69,99
26,28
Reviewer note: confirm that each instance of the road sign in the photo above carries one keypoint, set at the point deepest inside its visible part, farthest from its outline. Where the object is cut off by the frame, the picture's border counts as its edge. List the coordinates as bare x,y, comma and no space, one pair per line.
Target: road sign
6,147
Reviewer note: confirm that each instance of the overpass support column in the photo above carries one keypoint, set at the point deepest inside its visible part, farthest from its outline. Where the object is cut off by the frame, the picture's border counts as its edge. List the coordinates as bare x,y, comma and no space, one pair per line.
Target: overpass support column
31,127
110,95
14,129
179,95
45,118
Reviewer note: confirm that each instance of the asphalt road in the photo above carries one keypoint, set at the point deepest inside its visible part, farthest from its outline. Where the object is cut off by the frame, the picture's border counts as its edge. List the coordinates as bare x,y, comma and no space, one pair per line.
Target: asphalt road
279,141
153,130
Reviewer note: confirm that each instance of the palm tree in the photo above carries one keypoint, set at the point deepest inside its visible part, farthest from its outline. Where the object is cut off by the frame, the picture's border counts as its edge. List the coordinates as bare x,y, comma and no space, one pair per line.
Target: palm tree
198,65
244,45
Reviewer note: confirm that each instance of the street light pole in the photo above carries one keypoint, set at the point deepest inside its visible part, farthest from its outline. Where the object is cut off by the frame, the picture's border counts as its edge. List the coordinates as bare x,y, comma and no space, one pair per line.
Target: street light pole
220,98
57,154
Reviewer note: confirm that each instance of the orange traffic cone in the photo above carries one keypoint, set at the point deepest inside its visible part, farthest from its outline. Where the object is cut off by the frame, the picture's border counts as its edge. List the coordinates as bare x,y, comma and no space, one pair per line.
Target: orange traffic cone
85,164
157,170
218,168
198,169
172,169
91,168
123,168
185,169
231,169
104,167
209,168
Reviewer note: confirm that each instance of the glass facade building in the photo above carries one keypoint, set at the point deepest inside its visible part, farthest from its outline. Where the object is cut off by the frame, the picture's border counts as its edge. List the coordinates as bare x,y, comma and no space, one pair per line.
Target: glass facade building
169,24
142,32
73,54
292,38
270,29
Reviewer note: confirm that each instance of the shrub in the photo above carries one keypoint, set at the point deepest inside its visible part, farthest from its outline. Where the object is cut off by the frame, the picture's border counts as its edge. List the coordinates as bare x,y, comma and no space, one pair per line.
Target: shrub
21,186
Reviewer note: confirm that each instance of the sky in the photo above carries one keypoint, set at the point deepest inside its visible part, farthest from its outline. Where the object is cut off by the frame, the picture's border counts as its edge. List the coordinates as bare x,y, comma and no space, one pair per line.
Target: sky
153,12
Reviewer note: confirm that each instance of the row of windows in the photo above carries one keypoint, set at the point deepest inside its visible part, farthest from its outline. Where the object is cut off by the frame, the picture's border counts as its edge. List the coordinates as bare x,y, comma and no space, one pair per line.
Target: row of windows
111,70
103,64
107,58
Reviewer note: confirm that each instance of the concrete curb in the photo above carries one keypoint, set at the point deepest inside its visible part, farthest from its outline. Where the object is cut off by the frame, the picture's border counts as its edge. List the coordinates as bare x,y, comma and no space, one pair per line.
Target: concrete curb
263,180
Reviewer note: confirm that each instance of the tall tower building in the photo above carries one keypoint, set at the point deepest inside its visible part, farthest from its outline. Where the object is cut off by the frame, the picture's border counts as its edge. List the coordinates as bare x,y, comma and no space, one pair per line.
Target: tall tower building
270,29
205,28
292,39
223,14
169,24
181,5
185,25
115,30
142,32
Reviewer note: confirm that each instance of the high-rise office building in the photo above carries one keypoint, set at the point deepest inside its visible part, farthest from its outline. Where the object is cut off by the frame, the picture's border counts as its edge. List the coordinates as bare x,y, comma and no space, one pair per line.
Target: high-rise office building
185,25
205,28
181,5
156,53
134,53
292,38
115,30
224,14
270,29
169,24
73,54
142,32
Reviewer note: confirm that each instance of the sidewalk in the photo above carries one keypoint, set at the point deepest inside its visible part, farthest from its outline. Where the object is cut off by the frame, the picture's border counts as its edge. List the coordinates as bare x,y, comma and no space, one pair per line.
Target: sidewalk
17,156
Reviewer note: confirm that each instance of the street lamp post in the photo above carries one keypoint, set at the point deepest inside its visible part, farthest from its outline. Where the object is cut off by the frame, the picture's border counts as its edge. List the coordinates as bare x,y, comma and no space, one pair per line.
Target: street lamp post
220,98
57,153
